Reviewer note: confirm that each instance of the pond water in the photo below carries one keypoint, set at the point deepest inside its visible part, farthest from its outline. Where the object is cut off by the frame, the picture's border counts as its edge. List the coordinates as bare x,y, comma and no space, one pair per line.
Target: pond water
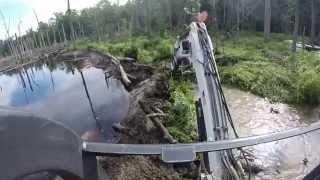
288,159
79,95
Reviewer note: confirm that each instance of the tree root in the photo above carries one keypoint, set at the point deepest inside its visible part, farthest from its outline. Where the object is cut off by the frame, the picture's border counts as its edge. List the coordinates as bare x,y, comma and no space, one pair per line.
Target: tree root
154,117
122,129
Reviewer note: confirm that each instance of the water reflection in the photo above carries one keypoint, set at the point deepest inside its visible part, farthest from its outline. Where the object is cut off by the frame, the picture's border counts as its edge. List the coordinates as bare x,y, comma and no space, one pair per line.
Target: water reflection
76,93
288,159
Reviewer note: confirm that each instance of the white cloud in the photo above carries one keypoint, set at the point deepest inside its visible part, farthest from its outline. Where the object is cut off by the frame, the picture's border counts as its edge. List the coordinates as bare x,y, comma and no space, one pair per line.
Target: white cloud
44,8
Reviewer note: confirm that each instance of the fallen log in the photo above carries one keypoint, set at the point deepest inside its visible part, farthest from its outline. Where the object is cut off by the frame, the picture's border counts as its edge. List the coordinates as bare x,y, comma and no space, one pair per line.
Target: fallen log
251,166
126,59
124,77
153,115
122,129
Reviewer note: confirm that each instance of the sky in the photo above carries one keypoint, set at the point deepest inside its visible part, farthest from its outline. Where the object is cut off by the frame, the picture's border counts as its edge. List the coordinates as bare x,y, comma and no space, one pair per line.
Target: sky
21,12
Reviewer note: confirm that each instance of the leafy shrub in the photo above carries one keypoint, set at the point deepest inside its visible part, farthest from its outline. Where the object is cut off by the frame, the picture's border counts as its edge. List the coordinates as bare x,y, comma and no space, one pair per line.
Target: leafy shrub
181,121
270,69
264,78
309,86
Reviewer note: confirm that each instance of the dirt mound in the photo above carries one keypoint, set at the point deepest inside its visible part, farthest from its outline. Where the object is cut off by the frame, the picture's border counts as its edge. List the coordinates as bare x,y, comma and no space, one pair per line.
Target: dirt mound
149,93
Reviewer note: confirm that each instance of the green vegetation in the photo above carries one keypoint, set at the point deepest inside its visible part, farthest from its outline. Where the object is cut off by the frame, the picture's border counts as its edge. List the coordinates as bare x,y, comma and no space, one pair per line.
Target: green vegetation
265,68
144,49
181,121
262,78
269,69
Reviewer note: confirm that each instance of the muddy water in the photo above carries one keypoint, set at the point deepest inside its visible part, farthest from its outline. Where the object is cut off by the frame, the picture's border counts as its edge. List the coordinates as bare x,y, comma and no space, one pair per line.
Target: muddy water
287,159
75,93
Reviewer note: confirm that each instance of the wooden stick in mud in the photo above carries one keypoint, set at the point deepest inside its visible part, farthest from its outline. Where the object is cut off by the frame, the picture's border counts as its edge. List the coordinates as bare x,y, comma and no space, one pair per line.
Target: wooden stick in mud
126,59
153,117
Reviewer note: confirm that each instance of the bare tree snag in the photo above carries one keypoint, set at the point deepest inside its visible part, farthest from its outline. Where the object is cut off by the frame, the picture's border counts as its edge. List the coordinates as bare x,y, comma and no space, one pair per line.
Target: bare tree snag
42,42
124,77
267,18
296,26
313,22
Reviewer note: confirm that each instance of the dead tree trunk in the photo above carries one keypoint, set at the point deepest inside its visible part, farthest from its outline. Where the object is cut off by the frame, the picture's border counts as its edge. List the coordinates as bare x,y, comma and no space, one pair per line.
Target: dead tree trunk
64,33
170,14
213,17
296,26
130,25
54,35
147,16
69,9
97,27
224,14
313,22
11,43
60,36
48,38
42,43
267,18
19,46
35,39
238,16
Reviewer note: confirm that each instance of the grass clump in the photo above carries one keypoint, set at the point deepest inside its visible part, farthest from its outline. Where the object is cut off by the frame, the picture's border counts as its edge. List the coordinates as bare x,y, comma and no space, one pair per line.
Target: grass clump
252,47
309,87
181,121
268,68
262,78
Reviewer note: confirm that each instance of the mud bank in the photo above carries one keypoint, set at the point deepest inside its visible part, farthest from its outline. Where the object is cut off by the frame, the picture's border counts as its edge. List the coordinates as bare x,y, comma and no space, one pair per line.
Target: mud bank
148,95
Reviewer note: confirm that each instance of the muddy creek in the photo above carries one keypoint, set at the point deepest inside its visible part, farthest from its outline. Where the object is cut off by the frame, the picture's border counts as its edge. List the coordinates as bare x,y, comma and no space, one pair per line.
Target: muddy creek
288,159
74,93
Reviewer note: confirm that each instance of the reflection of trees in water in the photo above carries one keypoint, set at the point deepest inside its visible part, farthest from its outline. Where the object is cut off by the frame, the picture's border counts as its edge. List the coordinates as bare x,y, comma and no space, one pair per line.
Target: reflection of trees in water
28,73
107,77
51,65
22,79
70,67
28,78
33,77
52,82
23,83
90,101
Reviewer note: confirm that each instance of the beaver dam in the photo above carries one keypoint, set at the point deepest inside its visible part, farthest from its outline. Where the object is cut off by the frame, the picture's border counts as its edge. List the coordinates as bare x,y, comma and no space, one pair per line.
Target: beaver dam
86,92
